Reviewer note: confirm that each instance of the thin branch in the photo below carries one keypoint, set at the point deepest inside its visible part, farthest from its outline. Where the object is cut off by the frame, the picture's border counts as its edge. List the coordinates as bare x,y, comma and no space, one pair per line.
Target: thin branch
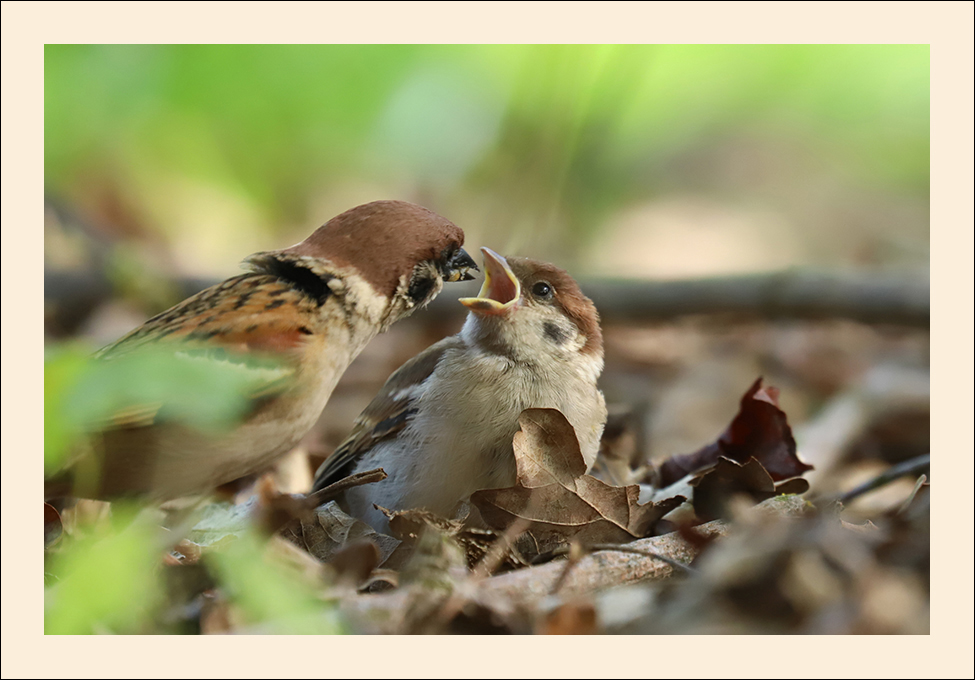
908,467
499,549
332,491
677,564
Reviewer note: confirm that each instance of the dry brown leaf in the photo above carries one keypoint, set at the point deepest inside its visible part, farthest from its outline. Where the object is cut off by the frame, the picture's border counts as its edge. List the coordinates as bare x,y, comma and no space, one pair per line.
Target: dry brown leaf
714,488
557,498
330,530
759,430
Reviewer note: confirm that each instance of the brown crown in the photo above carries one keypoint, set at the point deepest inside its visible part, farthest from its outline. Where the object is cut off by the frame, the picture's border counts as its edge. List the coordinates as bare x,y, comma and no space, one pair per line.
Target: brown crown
383,241
568,296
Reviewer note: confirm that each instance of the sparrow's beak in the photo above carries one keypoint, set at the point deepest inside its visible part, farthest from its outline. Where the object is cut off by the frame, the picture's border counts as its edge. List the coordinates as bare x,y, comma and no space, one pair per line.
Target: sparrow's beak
501,289
458,268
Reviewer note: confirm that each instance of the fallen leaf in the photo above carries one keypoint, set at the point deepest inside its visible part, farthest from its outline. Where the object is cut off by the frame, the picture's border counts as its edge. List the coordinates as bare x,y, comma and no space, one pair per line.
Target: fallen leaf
714,488
329,530
759,430
557,498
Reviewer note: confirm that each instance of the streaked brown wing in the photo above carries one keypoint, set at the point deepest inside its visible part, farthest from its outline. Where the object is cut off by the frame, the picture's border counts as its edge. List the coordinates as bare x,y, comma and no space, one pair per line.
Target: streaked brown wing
252,323
386,414
250,312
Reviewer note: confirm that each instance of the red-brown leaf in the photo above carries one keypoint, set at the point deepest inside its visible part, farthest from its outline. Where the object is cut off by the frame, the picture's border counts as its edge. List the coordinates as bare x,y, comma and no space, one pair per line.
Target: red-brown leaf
760,430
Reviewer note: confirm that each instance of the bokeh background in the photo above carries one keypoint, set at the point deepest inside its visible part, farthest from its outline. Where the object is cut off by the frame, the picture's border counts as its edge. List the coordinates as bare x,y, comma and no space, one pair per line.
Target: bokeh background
166,165
635,160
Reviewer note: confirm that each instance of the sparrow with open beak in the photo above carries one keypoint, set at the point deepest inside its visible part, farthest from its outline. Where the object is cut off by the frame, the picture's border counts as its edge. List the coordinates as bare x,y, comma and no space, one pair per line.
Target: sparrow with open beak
312,307
442,425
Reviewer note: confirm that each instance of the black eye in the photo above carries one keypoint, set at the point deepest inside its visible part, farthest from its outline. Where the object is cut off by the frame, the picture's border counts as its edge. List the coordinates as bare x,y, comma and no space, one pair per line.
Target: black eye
543,290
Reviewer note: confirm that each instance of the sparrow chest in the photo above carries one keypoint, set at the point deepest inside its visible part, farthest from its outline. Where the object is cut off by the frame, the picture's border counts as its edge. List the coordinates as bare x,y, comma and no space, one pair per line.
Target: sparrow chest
469,415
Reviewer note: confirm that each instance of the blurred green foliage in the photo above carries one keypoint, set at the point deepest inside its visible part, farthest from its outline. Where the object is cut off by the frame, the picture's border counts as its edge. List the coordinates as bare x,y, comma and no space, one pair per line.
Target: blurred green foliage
64,367
107,582
268,593
108,577
82,394
551,138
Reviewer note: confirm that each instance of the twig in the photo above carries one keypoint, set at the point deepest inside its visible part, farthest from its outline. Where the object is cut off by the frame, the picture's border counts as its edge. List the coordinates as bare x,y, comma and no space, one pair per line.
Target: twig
908,467
313,500
499,549
677,564
576,552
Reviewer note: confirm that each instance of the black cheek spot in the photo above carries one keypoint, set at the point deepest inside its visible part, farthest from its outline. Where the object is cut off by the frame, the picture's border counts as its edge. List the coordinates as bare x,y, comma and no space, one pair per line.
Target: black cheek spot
555,333
304,330
420,289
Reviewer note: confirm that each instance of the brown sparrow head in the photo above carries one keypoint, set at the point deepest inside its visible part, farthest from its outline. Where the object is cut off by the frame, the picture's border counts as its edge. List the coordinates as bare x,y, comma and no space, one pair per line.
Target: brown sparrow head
312,307
442,425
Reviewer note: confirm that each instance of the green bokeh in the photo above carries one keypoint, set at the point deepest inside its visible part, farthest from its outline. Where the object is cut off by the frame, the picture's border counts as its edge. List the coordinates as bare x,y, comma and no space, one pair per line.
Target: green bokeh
579,130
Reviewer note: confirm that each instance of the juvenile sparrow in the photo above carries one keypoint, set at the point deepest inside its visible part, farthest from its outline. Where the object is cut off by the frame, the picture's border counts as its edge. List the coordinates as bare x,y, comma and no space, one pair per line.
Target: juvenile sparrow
442,425
312,307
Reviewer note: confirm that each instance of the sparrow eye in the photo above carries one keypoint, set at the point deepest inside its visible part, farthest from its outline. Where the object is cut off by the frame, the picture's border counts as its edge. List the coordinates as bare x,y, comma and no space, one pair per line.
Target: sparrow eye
543,290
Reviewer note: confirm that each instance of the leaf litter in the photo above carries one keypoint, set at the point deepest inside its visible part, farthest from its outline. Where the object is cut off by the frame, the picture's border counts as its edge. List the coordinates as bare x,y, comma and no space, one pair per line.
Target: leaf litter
551,553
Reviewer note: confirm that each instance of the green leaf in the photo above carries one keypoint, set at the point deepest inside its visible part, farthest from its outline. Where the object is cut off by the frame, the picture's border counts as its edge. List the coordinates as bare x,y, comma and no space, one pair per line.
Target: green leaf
268,593
105,584
64,368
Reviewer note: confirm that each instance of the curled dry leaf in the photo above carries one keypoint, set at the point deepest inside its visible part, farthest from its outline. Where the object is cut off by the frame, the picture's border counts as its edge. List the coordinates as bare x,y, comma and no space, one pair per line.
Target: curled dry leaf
759,430
329,530
557,498
714,488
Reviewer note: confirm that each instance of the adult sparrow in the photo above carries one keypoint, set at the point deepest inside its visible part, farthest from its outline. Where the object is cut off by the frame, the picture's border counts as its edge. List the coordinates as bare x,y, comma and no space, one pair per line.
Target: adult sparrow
312,308
442,425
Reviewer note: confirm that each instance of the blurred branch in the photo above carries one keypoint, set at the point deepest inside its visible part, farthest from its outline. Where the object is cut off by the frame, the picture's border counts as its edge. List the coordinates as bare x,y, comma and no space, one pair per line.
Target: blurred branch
793,294
895,472
864,297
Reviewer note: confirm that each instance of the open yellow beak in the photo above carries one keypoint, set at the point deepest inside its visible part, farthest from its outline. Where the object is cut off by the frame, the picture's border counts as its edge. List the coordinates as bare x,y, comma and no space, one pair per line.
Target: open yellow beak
501,289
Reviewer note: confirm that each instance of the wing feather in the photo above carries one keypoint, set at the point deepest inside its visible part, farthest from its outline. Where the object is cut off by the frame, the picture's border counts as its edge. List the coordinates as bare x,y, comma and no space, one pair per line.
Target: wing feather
251,324
388,413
